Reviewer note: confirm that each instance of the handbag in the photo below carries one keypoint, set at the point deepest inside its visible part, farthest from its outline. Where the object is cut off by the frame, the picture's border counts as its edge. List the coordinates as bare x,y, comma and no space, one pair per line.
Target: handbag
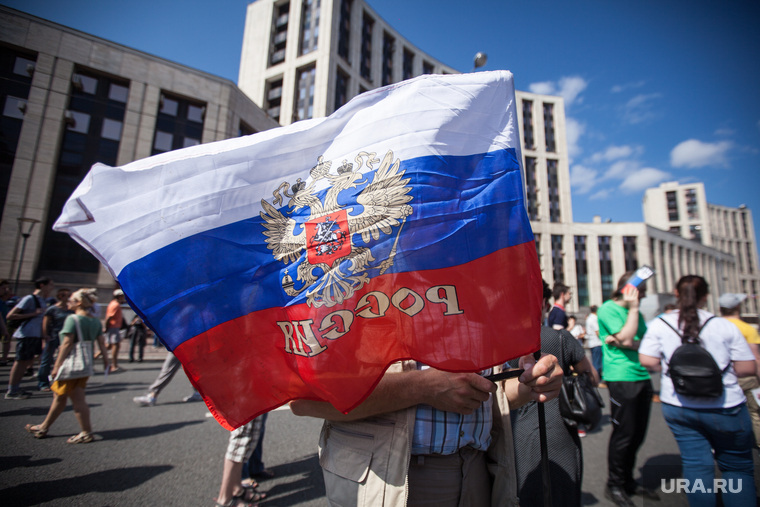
78,364
579,400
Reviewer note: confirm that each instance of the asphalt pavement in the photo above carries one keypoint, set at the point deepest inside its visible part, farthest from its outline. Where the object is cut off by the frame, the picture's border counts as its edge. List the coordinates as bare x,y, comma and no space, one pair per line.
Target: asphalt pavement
172,453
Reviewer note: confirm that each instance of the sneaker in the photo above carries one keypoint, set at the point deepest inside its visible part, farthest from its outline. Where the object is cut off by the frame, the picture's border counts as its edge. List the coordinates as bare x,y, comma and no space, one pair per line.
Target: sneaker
581,433
18,395
145,401
196,396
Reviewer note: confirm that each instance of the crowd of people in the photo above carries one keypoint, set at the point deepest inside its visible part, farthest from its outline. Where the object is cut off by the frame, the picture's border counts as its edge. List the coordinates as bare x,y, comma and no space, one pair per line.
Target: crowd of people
430,437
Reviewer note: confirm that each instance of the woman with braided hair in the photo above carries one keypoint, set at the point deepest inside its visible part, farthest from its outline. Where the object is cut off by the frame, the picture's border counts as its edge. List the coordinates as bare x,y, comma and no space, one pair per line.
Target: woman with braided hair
706,425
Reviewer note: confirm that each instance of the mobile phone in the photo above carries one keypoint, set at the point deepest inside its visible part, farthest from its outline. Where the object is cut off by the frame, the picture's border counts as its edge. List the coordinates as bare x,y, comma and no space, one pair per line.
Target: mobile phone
641,275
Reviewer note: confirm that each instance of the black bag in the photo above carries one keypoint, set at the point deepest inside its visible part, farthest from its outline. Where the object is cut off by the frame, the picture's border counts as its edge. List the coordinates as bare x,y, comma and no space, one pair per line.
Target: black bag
579,400
13,324
693,369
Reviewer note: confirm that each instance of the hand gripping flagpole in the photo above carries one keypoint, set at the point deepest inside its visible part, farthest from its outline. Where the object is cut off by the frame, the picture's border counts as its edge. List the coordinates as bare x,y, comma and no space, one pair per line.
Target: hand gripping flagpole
544,449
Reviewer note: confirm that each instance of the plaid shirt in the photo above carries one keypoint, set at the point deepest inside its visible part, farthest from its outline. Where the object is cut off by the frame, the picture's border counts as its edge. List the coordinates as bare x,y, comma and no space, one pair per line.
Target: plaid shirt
440,432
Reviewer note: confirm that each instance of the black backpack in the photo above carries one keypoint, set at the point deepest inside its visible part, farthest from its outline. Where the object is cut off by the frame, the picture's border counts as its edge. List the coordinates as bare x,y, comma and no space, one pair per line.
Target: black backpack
693,369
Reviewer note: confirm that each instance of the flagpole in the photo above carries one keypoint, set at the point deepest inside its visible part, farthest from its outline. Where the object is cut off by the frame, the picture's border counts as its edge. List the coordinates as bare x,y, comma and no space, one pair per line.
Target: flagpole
544,449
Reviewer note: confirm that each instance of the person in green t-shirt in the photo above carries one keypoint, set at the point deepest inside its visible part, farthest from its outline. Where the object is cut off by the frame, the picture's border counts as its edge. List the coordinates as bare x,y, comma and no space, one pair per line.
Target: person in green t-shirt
621,328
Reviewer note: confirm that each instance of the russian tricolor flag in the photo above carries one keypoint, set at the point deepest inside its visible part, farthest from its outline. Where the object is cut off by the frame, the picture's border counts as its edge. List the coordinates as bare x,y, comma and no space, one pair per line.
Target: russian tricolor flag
300,262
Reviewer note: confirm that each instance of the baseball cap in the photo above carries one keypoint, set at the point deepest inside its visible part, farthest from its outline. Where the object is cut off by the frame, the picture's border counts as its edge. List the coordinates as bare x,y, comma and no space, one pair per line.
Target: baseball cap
731,300
117,293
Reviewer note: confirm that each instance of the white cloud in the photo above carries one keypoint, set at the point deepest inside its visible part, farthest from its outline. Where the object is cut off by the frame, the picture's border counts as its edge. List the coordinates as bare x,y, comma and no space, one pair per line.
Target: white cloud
573,132
615,153
640,108
621,169
568,87
627,86
694,153
582,178
600,195
643,179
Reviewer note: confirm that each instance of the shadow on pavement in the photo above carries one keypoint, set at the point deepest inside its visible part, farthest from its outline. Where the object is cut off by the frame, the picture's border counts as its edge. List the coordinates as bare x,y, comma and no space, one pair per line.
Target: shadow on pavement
109,481
9,462
309,484
144,431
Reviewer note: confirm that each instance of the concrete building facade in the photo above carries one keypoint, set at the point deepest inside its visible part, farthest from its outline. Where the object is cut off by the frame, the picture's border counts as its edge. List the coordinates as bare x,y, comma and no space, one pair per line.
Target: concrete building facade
683,209
71,99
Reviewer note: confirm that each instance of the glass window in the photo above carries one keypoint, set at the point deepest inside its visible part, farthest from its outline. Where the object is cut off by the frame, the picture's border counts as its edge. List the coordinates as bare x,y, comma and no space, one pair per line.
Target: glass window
23,66
189,141
195,113
14,107
111,129
163,141
86,84
169,106
118,93
77,121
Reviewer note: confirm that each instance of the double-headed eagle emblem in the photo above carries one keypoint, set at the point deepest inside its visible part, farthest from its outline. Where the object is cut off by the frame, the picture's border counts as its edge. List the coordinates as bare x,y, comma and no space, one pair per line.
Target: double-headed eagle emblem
334,268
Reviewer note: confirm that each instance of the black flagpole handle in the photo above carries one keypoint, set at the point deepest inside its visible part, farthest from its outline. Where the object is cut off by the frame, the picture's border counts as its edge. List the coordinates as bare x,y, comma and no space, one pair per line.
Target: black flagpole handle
544,449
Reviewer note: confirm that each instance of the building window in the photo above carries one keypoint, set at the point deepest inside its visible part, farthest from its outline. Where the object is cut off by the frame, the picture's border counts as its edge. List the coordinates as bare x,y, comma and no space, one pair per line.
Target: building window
408,67
389,48
344,30
341,88
244,129
274,98
427,67
94,120
309,26
551,169
179,124
672,201
537,238
304,102
750,264
551,144
695,232
581,269
527,124
531,187
278,42
558,264
365,67
692,210
16,70
629,253
605,267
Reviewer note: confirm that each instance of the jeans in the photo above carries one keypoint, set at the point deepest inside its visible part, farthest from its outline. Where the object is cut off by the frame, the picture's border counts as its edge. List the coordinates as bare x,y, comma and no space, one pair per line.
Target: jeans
727,432
255,465
596,359
46,363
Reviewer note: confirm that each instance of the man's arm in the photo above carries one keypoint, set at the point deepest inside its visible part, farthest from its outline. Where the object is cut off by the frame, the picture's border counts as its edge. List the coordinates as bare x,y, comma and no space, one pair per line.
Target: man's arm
625,337
452,392
541,381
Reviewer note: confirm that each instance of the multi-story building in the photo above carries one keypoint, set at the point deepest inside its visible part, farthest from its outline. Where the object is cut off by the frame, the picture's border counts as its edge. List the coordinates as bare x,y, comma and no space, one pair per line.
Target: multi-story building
70,99
684,210
306,58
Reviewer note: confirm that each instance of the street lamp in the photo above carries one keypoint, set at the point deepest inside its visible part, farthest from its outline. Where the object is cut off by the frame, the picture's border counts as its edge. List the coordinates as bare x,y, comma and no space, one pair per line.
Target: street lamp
480,60
25,225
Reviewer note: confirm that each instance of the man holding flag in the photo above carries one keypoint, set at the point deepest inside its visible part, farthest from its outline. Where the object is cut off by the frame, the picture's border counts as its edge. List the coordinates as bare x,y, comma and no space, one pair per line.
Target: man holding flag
314,257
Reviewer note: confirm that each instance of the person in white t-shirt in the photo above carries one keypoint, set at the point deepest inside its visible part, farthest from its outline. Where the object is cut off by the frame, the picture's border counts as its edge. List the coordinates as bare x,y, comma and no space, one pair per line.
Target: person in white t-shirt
593,343
704,427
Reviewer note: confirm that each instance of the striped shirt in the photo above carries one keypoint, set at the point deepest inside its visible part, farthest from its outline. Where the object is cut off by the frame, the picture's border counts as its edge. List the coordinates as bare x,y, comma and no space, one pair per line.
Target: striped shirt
440,432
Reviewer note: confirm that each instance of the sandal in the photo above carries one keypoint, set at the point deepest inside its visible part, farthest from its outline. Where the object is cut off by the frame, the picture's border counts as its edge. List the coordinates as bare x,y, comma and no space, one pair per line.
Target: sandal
80,438
37,430
249,494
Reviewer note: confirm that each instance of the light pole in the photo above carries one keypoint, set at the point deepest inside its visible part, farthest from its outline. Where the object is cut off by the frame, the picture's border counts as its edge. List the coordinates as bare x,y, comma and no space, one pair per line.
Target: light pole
25,225
480,60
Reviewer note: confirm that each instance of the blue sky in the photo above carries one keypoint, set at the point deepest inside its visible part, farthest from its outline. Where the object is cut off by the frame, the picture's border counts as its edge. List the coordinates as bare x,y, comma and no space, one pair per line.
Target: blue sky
654,90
